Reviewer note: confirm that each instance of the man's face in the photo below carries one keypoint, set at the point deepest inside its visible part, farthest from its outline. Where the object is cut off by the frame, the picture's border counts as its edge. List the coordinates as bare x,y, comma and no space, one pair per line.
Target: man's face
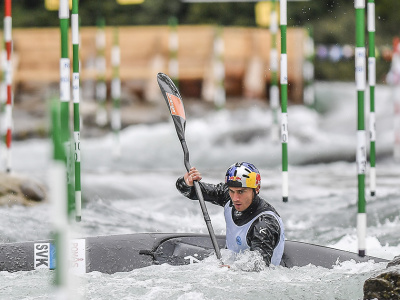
241,197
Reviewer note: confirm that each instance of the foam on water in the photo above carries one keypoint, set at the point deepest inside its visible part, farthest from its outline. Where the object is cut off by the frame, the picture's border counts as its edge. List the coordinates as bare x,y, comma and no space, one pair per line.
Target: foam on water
136,193
204,280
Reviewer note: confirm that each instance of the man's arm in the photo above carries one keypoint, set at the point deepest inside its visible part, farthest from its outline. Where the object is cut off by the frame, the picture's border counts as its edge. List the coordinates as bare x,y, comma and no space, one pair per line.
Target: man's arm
186,190
264,236
216,194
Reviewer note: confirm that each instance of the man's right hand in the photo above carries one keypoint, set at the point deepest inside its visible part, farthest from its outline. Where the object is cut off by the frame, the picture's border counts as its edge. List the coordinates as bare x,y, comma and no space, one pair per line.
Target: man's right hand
191,176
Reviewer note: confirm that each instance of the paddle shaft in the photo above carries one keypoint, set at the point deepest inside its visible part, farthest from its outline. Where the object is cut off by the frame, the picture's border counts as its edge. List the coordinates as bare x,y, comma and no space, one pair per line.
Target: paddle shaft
201,200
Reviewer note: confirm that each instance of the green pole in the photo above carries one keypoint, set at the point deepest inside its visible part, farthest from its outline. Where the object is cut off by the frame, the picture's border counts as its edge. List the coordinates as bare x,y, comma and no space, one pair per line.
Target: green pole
371,82
59,198
116,94
75,96
65,97
360,76
394,80
101,88
59,176
284,92
308,70
274,90
219,69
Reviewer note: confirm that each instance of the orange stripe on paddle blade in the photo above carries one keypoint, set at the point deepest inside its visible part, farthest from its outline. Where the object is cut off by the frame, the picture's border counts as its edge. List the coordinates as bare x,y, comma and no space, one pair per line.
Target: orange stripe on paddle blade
176,106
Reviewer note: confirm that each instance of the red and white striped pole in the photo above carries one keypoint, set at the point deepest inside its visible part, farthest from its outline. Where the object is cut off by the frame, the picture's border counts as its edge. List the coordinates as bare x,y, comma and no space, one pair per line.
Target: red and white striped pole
3,100
8,77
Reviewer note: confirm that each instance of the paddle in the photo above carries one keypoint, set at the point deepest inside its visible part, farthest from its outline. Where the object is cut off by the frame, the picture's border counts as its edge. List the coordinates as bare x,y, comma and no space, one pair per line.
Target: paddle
175,105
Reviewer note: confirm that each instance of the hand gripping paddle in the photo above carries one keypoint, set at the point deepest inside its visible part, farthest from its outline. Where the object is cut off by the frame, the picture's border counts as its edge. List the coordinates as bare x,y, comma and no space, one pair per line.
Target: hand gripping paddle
175,104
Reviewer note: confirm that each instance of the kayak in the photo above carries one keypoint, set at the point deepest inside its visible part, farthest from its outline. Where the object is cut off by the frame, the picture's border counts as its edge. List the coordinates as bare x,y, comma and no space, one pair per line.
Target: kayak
126,252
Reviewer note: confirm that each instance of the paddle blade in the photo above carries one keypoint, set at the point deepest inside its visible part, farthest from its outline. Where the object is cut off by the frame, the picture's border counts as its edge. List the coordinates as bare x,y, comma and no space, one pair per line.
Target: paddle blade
174,102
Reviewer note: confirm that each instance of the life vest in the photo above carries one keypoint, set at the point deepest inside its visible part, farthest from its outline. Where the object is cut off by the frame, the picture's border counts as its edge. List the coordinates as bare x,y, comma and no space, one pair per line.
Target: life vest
236,236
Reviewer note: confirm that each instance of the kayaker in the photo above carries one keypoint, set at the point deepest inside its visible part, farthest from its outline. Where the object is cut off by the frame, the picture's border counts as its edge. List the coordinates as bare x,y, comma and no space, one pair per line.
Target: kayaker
251,222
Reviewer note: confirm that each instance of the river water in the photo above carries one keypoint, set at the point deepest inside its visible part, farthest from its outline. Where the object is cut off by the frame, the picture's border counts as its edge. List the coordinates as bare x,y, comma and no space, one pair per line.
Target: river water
136,193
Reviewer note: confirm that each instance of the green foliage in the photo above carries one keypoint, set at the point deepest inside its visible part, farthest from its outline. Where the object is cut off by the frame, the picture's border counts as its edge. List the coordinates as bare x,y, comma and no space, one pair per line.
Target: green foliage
342,70
332,21
228,14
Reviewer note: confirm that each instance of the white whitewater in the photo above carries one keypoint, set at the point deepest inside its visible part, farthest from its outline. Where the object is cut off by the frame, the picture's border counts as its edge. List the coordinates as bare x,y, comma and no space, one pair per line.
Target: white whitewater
137,194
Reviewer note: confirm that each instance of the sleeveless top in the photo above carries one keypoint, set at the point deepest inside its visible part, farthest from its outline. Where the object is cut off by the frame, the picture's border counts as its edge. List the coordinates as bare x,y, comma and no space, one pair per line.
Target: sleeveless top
236,236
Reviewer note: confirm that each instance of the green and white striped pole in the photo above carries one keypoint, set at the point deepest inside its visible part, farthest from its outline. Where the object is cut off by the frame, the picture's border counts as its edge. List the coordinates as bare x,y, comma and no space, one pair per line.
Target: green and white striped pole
65,94
360,76
59,198
65,97
371,82
284,94
394,80
173,65
274,90
219,69
101,88
8,79
76,96
116,94
308,70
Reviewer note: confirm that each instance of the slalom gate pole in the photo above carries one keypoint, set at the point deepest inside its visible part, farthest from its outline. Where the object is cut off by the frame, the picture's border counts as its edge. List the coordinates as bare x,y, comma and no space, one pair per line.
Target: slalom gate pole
372,82
59,213
65,97
173,64
274,90
219,69
3,99
101,88
116,94
284,94
8,79
76,96
360,76
308,70
396,98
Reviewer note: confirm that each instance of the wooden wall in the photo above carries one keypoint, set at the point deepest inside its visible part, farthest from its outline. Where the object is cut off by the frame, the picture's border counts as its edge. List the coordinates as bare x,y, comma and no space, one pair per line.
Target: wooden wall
144,52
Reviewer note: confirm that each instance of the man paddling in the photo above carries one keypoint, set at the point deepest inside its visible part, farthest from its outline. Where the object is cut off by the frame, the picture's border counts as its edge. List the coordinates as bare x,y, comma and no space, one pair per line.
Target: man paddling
251,222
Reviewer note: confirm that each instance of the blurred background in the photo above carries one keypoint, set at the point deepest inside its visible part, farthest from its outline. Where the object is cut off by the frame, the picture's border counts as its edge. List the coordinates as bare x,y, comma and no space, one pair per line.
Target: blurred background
331,21
237,35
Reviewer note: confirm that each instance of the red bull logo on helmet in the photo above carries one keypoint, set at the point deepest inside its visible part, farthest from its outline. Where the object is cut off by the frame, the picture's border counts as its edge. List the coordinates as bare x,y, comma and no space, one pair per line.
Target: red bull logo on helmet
234,178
